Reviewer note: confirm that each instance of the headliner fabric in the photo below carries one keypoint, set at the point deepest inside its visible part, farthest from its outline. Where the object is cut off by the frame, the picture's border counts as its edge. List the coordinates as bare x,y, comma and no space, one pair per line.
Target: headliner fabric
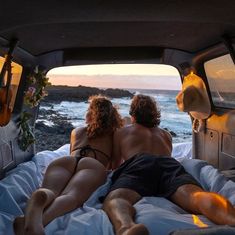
158,214
184,25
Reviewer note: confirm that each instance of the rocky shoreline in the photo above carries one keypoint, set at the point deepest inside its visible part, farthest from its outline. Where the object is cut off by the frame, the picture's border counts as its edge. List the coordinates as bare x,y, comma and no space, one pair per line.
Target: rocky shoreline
53,137
57,94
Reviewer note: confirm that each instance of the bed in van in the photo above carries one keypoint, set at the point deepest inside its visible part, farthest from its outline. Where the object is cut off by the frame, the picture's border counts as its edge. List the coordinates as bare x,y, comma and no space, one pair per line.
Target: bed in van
196,36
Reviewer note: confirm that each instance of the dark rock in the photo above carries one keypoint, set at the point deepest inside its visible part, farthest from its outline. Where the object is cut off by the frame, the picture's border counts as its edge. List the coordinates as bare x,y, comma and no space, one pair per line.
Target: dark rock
81,93
52,137
173,133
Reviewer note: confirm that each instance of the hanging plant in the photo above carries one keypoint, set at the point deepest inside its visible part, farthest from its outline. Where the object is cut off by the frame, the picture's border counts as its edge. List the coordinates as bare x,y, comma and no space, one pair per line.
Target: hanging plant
37,81
36,88
26,137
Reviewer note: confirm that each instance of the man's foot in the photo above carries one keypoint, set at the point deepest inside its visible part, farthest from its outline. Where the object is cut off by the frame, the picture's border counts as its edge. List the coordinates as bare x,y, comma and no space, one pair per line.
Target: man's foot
18,225
137,229
33,216
37,229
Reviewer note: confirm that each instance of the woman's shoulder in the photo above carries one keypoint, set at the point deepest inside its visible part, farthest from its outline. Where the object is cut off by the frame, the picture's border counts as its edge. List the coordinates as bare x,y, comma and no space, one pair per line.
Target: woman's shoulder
79,130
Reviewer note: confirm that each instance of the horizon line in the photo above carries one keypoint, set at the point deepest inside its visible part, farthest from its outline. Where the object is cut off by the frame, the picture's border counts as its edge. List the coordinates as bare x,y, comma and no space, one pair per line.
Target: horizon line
124,88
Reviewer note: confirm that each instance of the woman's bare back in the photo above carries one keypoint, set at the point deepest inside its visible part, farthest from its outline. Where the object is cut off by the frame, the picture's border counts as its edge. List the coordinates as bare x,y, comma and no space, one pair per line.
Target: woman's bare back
102,145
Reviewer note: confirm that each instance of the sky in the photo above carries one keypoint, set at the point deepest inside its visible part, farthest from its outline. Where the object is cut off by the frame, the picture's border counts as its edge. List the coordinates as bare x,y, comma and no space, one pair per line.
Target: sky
145,76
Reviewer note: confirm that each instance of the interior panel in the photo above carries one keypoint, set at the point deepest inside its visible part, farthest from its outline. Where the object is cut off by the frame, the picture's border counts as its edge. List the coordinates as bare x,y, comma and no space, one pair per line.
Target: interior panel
211,154
219,141
228,145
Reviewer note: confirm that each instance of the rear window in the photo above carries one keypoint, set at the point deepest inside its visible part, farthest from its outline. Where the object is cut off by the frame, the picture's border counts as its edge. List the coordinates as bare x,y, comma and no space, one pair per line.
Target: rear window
66,104
221,78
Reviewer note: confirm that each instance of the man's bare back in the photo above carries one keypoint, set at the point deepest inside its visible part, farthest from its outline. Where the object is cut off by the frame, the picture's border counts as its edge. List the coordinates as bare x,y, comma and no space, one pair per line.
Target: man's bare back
136,138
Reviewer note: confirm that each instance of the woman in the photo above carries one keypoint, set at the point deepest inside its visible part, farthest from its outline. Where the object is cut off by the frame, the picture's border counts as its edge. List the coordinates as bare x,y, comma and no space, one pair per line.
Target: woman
69,181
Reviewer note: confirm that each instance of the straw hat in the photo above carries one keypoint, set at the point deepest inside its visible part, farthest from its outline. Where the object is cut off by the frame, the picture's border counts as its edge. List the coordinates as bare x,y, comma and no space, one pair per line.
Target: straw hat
193,97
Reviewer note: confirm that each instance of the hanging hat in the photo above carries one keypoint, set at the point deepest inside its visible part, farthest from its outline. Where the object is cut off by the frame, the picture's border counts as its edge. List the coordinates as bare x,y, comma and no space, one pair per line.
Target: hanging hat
193,97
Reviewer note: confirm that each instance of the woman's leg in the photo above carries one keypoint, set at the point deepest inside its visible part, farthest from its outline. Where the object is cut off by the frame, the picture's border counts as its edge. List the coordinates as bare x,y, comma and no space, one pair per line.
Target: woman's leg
57,175
119,207
214,206
90,174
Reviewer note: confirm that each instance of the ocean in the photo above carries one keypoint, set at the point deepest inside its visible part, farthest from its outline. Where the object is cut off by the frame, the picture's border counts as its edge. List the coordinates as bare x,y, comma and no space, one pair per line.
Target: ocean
177,122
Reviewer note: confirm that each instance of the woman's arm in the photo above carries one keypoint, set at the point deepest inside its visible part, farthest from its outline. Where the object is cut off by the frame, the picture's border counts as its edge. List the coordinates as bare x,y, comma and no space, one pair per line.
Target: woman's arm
72,139
77,138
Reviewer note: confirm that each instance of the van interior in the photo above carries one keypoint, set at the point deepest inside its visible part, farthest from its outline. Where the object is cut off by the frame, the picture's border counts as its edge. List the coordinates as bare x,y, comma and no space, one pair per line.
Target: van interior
190,37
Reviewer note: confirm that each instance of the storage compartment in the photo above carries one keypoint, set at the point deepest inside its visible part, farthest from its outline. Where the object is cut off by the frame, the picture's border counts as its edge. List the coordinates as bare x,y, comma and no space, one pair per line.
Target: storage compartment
228,145
211,154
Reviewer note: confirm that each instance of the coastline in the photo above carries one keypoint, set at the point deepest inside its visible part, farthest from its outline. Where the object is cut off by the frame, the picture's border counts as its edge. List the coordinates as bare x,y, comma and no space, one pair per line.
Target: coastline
58,130
57,94
54,136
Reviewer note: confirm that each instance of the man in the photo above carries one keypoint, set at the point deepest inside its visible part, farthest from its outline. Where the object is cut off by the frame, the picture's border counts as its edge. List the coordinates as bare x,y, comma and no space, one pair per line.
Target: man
149,170
143,135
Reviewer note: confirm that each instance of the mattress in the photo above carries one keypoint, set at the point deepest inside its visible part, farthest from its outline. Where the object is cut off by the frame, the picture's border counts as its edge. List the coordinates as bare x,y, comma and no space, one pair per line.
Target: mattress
160,215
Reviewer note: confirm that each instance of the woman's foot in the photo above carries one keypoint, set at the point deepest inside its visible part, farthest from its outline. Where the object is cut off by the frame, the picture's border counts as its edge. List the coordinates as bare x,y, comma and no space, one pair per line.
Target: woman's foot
137,229
34,212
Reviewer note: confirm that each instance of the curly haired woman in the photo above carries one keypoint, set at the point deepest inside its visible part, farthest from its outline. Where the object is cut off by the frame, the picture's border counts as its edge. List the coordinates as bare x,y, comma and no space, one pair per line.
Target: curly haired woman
69,181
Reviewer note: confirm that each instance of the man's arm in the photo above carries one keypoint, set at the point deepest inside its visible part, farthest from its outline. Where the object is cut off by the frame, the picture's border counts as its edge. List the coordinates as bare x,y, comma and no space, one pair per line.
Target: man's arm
170,141
116,150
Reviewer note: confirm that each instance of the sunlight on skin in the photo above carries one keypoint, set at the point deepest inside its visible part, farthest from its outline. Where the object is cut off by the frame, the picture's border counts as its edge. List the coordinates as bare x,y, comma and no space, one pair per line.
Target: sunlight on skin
220,199
198,222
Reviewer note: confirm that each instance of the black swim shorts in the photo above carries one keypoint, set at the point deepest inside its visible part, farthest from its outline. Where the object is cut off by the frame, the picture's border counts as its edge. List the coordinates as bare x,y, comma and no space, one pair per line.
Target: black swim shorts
149,175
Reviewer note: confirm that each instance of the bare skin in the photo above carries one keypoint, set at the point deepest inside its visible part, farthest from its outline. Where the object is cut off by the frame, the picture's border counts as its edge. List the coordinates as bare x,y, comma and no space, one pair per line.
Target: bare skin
119,203
127,142
104,144
66,184
62,191
119,207
135,138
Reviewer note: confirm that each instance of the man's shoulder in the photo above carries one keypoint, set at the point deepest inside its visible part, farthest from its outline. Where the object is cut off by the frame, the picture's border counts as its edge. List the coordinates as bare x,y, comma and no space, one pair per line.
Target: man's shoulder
127,128
123,130
166,132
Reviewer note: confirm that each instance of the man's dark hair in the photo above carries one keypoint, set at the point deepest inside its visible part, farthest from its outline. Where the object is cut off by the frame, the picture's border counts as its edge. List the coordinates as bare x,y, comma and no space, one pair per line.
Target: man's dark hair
145,111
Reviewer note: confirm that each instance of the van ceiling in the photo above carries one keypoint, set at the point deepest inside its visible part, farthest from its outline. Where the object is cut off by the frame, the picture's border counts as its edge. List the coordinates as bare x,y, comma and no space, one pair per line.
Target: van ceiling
44,26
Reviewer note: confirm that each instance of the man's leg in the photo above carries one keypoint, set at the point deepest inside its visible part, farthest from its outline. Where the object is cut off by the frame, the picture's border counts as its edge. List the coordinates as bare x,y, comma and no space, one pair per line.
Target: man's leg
215,207
119,207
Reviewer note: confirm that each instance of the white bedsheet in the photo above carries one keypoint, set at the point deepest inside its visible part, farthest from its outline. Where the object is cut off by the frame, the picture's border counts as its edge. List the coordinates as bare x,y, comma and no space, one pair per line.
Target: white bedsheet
158,214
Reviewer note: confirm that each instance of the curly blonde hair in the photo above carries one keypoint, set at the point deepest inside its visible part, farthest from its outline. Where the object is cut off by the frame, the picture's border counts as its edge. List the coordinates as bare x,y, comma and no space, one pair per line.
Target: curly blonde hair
103,117
145,111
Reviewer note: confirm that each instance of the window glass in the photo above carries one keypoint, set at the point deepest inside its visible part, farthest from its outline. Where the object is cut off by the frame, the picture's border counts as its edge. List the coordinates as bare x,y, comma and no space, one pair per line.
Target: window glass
15,80
221,78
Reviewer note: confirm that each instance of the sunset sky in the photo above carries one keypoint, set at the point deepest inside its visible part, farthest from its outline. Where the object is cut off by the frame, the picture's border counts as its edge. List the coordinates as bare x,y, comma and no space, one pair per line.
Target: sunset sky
146,76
